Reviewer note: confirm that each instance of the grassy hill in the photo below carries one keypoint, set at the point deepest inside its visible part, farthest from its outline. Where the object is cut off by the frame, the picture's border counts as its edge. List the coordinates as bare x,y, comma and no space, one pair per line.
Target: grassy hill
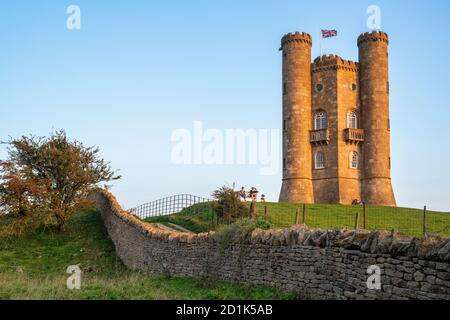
198,218
34,267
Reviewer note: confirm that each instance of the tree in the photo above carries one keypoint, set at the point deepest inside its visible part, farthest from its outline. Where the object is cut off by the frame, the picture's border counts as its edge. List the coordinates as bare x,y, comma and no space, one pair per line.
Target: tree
228,206
50,174
19,196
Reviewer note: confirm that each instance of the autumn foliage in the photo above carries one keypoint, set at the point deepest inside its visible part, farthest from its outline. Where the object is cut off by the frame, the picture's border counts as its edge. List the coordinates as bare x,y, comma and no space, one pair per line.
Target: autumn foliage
49,177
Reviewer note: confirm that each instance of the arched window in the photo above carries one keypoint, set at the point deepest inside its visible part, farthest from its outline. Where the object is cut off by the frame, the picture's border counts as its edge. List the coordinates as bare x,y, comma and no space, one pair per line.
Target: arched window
319,160
354,160
352,120
320,120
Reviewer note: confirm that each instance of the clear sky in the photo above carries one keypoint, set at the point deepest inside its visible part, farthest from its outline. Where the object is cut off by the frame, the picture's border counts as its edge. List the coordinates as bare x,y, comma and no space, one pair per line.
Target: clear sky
138,70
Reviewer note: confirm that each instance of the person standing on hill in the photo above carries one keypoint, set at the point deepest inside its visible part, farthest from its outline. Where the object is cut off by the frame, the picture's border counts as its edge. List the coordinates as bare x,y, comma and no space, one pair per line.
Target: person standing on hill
254,194
243,194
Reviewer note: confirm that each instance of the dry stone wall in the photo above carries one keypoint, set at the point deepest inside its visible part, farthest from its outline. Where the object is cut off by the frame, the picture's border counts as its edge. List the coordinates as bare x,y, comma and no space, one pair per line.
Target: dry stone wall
315,264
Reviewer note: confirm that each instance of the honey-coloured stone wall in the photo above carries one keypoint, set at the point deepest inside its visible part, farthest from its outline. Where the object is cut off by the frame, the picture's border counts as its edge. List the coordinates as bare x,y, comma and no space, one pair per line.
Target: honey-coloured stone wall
315,264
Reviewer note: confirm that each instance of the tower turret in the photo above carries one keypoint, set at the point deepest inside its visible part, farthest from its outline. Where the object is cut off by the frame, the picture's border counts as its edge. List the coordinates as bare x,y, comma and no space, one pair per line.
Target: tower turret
297,183
374,97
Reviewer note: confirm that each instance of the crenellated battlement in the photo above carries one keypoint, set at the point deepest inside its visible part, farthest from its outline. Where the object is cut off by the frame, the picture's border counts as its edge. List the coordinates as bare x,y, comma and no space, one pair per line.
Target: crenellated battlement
354,161
297,37
333,62
373,36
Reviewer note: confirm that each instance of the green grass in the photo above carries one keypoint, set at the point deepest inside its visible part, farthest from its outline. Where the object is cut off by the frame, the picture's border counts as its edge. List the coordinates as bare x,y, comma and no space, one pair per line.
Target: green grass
405,220
34,267
281,215
197,218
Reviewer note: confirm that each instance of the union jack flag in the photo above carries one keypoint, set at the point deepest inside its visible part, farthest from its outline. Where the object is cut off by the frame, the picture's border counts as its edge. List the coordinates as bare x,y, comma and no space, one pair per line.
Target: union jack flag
329,33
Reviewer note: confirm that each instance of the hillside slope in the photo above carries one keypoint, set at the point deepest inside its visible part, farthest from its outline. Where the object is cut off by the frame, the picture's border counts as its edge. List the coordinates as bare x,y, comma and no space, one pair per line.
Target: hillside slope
34,267
407,221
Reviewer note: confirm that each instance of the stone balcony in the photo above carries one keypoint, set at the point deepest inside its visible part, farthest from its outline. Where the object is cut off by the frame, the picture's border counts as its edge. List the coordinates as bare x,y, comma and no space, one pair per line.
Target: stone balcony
321,136
353,135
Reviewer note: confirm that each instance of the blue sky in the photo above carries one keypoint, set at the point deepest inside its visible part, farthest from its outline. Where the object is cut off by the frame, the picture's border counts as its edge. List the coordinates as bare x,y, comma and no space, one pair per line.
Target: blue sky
138,70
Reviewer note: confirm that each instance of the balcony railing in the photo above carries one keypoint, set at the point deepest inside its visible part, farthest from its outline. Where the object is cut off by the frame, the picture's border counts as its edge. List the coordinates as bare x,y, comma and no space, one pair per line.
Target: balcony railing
321,136
354,135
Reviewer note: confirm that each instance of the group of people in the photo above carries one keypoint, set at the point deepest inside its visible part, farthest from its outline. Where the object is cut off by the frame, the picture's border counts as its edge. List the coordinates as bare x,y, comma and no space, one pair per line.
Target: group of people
356,202
252,195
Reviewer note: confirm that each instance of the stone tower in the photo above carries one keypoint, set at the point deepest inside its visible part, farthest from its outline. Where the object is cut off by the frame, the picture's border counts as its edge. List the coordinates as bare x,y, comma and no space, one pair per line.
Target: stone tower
374,82
297,174
336,124
335,94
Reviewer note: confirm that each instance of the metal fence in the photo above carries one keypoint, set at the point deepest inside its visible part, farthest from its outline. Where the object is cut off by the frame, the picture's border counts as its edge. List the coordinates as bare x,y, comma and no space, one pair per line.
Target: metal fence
167,206
407,221
411,222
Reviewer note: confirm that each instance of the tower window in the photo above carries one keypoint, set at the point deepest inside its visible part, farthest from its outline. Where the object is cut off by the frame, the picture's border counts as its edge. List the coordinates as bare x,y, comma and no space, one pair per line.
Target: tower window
284,125
387,87
354,160
319,87
284,88
319,160
320,120
353,86
352,120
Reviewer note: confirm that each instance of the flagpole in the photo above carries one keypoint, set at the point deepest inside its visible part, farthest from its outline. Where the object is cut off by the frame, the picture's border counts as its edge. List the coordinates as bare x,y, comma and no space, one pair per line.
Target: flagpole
320,35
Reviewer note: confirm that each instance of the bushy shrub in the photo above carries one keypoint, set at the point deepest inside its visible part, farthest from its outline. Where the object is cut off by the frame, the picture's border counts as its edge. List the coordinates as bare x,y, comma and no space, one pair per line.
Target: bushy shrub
240,230
227,205
261,223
